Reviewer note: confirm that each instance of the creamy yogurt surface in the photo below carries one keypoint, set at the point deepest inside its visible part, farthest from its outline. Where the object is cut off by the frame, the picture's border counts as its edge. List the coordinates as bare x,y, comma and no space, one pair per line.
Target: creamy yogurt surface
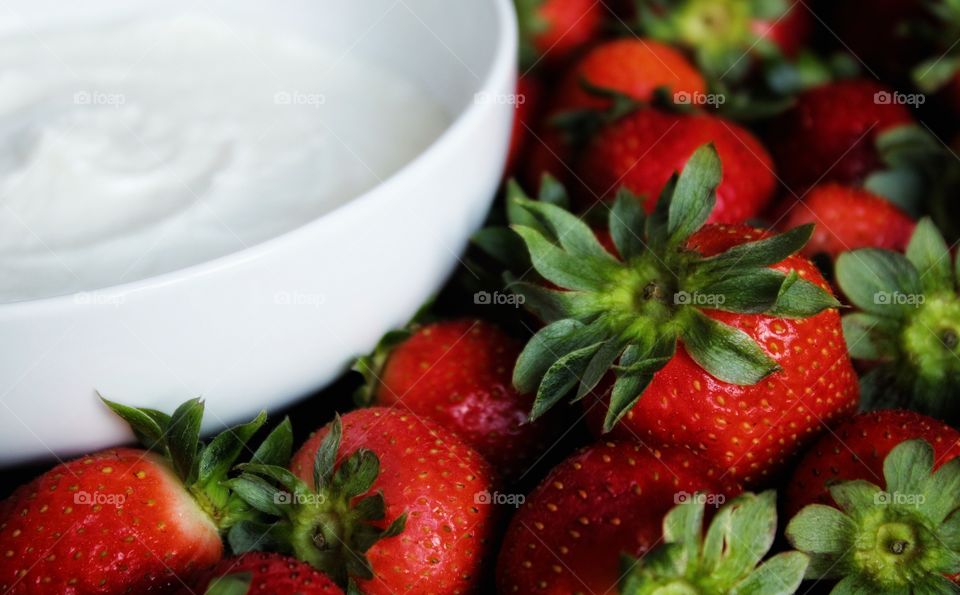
140,148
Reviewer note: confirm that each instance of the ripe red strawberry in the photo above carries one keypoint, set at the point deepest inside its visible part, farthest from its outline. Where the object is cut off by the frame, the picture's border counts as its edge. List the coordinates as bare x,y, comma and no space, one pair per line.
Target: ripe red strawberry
896,531
642,150
551,31
633,67
527,102
857,448
830,134
723,340
606,500
847,218
264,573
432,488
127,520
458,373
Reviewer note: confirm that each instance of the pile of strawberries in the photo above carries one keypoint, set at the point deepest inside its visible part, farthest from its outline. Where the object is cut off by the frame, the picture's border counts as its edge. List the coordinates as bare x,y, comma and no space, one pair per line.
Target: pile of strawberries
708,342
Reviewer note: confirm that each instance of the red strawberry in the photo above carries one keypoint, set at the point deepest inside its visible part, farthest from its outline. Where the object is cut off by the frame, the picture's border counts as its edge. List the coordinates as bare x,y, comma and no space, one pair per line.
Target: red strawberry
527,100
551,31
608,499
458,373
265,573
847,218
857,448
830,134
126,520
642,150
432,488
633,67
723,340
891,523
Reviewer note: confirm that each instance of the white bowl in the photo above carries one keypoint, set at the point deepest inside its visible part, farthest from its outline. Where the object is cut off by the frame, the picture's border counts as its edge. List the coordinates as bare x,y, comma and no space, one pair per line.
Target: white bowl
264,326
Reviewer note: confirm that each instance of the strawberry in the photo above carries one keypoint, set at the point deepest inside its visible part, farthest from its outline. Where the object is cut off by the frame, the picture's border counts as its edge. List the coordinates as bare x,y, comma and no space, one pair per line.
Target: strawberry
608,498
856,449
552,31
129,520
724,35
831,132
433,489
642,150
893,534
633,67
724,560
847,218
908,325
263,573
458,373
722,340
527,101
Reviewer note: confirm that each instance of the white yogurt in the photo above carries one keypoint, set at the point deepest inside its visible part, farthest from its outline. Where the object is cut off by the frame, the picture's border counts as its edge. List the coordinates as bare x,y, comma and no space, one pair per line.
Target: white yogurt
146,147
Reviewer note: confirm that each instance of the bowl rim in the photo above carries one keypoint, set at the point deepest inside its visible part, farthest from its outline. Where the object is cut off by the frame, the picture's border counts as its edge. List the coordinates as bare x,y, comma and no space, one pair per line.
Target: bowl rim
501,65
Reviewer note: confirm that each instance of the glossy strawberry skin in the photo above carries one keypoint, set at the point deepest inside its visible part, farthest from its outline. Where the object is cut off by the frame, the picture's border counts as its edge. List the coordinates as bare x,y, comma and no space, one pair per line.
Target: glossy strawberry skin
438,481
569,25
607,499
115,521
751,432
848,218
829,135
269,573
856,450
630,66
459,373
642,150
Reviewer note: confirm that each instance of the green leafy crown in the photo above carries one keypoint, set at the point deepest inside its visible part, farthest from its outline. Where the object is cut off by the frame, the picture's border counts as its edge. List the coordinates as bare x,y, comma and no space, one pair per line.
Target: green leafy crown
902,538
909,322
724,561
332,525
204,467
627,313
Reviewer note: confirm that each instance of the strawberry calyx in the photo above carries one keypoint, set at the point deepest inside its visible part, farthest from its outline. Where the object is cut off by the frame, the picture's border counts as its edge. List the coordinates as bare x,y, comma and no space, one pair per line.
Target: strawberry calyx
719,33
628,313
330,526
530,23
898,538
204,467
908,323
723,560
370,366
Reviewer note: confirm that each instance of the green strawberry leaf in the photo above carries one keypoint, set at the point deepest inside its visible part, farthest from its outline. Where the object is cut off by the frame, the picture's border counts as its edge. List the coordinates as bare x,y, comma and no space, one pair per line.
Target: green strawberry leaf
879,281
237,583
928,252
183,442
727,353
695,194
626,217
